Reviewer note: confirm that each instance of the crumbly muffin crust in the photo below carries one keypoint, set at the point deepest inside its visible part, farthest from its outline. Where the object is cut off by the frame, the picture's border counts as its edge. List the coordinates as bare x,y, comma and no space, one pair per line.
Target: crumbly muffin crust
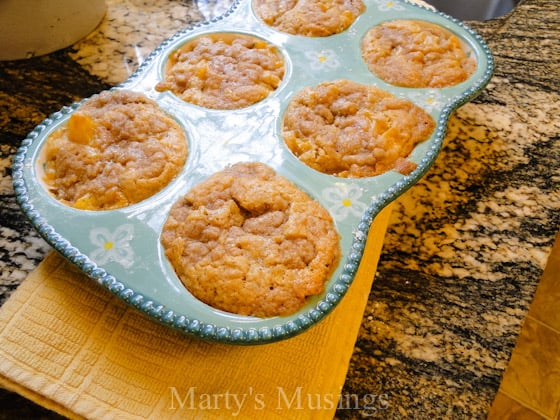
416,54
312,18
351,130
250,242
223,71
117,149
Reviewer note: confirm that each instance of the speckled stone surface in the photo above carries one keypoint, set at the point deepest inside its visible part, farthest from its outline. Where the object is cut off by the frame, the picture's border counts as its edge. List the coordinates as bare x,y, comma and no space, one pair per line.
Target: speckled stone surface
466,245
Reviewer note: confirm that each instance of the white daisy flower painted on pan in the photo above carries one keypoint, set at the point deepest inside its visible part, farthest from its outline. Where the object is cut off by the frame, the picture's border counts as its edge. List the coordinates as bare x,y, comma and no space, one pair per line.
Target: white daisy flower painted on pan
113,246
428,100
325,59
344,200
385,5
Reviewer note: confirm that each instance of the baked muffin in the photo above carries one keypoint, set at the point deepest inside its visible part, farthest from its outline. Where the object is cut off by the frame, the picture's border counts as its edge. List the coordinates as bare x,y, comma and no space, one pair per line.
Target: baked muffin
248,241
312,18
416,54
223,71
351,130
118,148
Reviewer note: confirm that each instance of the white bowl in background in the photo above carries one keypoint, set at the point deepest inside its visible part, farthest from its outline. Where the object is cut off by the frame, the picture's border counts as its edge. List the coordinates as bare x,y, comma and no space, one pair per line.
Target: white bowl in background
29,28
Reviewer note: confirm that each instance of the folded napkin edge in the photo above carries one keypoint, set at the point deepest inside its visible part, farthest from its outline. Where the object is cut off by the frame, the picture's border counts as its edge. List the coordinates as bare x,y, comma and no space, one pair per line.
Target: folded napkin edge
45,402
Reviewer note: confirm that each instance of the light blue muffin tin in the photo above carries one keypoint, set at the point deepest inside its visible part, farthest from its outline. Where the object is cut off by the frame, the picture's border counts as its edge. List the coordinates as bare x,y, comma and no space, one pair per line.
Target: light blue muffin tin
121,250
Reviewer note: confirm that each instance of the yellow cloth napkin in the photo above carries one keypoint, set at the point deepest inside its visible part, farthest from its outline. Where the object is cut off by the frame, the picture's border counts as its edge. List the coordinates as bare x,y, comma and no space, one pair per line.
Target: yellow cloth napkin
71,346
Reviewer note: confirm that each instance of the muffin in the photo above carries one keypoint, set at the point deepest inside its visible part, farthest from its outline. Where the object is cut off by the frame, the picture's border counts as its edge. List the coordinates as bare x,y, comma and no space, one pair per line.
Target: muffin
351,130
223,71
250,242
118,148
312,18
416,54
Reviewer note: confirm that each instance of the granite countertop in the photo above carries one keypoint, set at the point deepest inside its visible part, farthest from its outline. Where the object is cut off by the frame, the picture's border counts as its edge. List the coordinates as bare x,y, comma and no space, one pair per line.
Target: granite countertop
465,248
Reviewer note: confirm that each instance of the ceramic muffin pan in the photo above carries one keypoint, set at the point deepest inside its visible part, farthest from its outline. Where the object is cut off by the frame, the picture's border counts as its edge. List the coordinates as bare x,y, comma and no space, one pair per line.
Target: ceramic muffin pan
121,248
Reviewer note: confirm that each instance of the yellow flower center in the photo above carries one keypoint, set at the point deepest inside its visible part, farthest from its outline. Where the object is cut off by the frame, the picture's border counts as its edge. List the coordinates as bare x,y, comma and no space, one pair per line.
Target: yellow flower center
346,202
108,246
322,58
